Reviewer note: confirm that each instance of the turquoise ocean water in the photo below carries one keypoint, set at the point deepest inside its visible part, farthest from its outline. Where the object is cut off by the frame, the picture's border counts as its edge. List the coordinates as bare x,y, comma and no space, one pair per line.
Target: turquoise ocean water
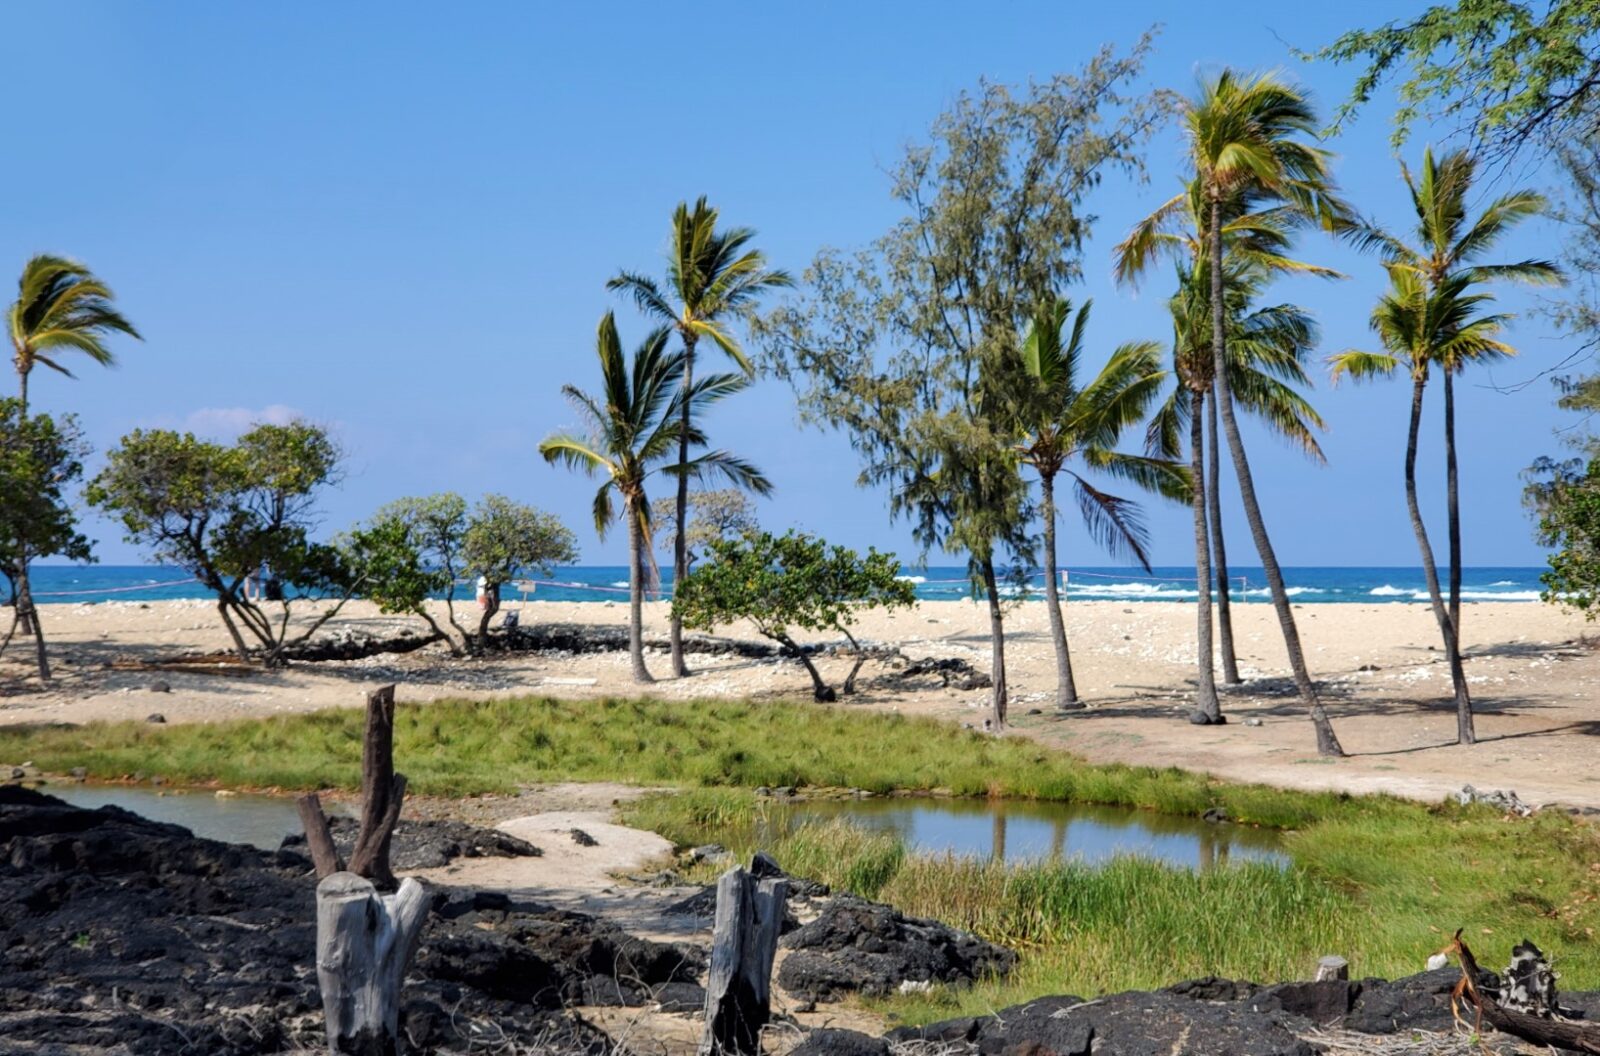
94,583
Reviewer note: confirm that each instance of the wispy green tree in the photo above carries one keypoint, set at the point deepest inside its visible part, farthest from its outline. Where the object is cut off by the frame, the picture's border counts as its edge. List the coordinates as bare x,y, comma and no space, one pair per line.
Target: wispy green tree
891,345
41,460
714,278
1068,426
643,415
720,513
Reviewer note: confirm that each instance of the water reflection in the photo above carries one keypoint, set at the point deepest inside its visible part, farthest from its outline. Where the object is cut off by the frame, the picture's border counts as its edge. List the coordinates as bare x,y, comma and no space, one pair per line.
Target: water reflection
260,821
1024,831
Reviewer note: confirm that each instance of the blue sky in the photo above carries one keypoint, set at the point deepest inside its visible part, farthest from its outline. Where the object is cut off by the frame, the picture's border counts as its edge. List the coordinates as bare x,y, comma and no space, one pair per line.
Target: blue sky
397,219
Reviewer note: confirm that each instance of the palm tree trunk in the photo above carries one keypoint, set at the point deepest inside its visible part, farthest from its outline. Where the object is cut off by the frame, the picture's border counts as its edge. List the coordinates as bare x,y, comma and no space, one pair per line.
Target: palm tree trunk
636,598
27,619
680,545
1327,741
997,641
1458,678
1066,688
1452,497
1230,661
1207,709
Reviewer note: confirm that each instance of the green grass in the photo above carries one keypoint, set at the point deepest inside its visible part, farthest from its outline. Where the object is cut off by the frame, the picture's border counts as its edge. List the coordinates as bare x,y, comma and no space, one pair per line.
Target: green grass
1378,880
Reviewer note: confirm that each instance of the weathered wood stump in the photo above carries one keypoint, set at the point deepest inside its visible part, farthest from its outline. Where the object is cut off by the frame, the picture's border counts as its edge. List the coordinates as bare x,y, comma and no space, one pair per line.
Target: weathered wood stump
1333,967
365,940
382,792
743,943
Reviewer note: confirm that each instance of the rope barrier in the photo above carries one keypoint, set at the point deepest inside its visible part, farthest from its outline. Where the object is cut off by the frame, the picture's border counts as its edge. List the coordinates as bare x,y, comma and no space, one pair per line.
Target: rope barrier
115,590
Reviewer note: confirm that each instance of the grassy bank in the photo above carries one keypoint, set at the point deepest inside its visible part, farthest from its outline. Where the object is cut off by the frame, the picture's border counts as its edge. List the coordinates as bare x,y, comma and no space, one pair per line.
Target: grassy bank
1378,880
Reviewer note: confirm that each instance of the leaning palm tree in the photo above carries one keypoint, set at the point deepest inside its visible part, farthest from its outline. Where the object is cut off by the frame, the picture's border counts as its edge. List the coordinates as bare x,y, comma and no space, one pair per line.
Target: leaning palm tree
1266,350
635,427
1421,325
1449,243
60,307
712,277
1246,147
1061,421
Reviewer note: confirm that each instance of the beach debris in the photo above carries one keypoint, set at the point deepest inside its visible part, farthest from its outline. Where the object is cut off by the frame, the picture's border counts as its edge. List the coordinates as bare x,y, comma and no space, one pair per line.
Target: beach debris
1252,721
583,839
1506,801
744,942
950,670
155,717
1524,1004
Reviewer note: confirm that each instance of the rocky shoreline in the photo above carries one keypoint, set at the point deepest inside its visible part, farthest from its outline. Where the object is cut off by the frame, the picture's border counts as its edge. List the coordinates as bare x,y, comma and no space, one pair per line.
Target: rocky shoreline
126,937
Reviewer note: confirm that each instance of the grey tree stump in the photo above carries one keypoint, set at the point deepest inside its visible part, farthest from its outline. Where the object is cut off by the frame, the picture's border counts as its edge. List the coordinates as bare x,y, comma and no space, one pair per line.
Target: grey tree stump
1333,967
744,941
365,940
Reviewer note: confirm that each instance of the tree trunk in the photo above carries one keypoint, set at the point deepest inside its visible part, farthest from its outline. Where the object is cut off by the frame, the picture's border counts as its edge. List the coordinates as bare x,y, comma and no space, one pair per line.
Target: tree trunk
680,542
997,641
233,631
492,597
1453,506
364,943
1066,688
29,616
744,940
1230,660
1458,677
641,673
1207,708
1327,741
382,793
821,692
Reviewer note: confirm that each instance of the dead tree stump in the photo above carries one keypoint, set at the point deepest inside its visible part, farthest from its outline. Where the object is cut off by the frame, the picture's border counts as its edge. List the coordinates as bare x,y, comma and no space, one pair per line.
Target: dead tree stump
1333,967
743,943
365,940
382,792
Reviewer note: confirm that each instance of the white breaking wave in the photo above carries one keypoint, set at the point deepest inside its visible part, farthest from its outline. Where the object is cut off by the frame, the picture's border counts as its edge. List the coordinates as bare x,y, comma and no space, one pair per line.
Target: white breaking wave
1138,590
913,579
1486,595
621,583
1504,583
1386,591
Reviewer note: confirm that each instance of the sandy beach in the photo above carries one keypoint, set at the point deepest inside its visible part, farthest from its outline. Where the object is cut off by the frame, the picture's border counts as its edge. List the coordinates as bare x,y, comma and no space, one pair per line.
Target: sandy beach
1534,675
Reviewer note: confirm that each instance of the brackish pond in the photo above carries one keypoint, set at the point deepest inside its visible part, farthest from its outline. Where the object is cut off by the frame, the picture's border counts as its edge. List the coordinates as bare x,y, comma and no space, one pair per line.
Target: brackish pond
261,821
1010,831
1023,831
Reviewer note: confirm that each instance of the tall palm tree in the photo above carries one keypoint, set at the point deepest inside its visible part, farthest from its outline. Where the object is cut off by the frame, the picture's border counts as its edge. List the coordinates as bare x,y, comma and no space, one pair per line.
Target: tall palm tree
1061,421
1448,242
1421,325
1267,348
713,277
60,307
1247,150
641,416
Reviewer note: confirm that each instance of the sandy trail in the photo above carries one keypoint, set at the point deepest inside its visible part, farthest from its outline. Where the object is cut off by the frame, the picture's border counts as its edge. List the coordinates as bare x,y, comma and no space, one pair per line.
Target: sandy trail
1535,679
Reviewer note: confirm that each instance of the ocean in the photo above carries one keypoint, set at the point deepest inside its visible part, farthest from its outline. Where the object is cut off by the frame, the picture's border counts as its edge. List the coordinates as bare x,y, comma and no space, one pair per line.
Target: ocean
1310,585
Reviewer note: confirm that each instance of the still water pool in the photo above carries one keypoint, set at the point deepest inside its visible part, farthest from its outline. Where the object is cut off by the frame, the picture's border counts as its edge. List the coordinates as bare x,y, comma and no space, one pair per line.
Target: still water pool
261,821
1021,831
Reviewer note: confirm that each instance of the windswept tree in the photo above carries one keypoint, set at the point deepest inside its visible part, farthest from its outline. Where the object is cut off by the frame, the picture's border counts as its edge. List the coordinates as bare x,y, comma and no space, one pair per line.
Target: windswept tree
61,308
890,345
635,426
719,513
795,580
1068,426
506,540
713,279
1250,158
223,512
435,526
1419,326
41,461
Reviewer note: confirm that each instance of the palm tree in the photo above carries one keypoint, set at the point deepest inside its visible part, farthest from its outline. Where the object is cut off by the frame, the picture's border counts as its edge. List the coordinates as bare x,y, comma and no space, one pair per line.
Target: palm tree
1249,159
634,427
713,277
1449,243
1266,350
60,307
1061,421
1421,326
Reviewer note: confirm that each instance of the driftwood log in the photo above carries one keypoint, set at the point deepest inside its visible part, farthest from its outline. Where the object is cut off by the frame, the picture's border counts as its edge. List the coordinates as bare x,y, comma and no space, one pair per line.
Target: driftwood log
744,941
365,940
382,792
1578,1037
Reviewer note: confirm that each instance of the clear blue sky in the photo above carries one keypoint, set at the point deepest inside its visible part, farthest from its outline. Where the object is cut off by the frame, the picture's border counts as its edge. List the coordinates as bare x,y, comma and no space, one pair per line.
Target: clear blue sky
397,219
